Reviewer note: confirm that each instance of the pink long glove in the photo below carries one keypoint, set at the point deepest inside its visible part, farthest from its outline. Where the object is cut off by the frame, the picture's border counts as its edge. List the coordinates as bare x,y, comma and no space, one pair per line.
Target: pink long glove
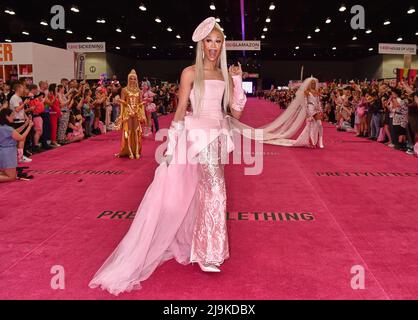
174,133
239,99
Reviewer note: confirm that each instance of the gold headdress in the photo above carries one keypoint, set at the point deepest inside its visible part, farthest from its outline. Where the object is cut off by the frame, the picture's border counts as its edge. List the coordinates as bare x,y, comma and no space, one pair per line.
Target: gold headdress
133,73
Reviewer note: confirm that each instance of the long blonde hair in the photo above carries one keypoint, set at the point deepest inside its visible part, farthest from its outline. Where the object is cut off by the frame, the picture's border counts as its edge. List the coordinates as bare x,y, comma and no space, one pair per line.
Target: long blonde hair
199,80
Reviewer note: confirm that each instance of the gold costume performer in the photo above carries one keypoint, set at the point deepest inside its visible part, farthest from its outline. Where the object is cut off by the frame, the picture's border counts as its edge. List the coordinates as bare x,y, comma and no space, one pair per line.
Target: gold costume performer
131,117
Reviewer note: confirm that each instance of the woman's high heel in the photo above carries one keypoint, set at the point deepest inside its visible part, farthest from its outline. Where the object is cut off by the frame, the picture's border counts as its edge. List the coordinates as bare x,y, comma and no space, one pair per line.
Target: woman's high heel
209,268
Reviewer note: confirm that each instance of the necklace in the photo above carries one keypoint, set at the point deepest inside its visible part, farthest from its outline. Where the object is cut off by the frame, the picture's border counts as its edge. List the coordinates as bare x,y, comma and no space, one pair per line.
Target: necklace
132,90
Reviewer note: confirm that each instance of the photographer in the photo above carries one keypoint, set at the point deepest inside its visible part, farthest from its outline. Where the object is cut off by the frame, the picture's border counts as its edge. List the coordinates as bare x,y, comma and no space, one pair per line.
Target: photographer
8,139
17,105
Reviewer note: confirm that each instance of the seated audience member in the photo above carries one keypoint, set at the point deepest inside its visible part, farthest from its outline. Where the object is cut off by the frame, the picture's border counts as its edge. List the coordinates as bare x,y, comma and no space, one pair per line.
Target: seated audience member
8,144
75,124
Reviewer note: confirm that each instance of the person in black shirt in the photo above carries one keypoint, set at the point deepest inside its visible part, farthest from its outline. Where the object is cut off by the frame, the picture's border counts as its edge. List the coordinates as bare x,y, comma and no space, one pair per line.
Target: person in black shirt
376,108
413,124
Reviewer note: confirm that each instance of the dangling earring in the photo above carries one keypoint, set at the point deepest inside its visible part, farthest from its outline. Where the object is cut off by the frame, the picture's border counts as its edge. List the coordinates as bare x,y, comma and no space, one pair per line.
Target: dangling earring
203,54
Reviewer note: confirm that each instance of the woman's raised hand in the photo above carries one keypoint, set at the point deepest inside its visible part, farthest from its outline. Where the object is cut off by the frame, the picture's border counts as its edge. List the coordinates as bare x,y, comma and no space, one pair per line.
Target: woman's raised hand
235,70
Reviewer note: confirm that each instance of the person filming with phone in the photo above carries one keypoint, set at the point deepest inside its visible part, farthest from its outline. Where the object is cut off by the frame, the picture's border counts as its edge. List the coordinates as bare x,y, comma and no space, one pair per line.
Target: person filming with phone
9,137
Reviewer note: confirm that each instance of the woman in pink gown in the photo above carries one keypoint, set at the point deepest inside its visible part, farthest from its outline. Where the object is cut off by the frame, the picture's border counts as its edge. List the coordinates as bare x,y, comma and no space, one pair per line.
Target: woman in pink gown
305,108
183,212
313,134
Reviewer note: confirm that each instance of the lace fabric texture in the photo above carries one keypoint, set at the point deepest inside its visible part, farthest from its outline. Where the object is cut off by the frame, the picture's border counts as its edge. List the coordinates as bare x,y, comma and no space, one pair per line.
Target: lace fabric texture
210,236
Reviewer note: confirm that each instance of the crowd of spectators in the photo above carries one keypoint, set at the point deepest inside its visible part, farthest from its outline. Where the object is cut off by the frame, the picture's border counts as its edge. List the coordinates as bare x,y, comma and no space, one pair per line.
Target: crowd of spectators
36,118
384,111
47,116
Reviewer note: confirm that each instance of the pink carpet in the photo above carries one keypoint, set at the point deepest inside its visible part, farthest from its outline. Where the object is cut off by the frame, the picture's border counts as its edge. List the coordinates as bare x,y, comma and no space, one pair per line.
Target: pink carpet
362,197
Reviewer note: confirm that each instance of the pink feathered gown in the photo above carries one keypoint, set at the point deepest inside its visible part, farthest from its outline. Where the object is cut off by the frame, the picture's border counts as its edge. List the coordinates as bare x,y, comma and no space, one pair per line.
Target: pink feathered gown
183,212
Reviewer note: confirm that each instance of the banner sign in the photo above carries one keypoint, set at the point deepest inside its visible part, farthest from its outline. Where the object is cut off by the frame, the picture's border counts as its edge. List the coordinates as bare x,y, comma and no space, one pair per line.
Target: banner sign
86,46
243,45
81,66
396,48
16,53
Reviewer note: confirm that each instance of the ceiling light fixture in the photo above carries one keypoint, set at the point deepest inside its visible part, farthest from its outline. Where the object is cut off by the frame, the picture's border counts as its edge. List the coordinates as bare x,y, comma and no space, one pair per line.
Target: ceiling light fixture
386,23
44,23
369,31
133,37
272,6
212,6
69,32
169,29
158,20
268,20
328,21
118,30
317,30
89,38
142,7
265,29
75,9
411,10
343,8
9,11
